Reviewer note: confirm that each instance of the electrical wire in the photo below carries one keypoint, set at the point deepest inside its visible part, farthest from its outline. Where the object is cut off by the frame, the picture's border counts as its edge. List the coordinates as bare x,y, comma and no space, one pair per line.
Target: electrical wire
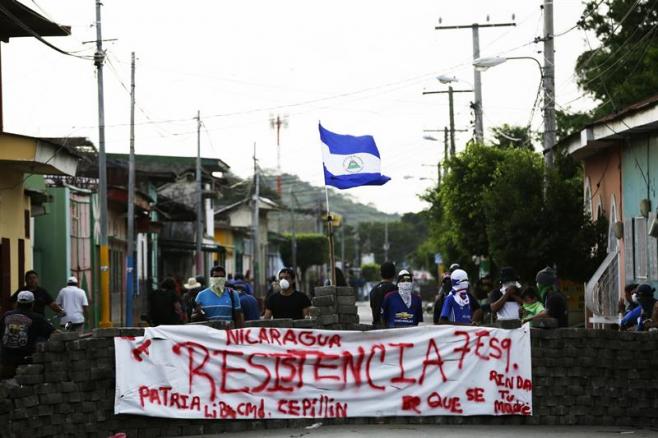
29,30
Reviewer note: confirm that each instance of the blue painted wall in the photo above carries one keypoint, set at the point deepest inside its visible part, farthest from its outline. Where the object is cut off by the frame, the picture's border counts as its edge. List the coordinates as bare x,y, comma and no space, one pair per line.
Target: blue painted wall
639,164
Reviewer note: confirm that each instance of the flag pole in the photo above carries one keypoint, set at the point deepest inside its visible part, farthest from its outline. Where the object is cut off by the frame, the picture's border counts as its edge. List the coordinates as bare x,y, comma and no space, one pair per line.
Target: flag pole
330,232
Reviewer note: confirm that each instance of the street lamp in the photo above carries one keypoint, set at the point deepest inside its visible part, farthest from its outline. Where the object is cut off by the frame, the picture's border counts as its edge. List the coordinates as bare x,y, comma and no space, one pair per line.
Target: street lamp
548,140
483,64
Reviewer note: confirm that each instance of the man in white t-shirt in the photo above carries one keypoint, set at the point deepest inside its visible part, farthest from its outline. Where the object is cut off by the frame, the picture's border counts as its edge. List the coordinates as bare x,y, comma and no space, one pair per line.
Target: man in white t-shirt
506,301
74,302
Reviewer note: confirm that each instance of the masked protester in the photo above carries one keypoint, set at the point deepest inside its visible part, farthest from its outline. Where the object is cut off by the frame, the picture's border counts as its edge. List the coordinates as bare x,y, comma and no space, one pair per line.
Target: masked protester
402,307
555,303
287,302
644,314
457,305
219,302
506,301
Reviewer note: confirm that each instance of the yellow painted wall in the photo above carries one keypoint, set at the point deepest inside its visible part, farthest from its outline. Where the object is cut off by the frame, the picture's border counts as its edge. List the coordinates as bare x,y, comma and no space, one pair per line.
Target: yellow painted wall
14,148
225,238
13,204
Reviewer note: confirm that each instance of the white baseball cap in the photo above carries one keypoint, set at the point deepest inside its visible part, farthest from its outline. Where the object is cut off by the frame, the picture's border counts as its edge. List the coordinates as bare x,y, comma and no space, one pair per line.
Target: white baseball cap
72,280
25,296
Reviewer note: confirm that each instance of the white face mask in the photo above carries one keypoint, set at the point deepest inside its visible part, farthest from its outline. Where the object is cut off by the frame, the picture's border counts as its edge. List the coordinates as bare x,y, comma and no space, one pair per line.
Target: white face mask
217,284
285,284
634,298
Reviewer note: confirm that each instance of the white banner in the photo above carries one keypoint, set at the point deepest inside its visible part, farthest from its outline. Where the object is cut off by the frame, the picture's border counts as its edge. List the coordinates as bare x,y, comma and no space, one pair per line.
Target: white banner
259,373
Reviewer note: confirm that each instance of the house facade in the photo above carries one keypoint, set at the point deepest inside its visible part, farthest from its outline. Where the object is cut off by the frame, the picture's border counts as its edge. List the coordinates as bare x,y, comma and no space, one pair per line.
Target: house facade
620,158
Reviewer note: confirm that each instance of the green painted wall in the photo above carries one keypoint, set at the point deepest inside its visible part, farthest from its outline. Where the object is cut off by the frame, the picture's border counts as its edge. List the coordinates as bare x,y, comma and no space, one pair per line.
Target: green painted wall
51,242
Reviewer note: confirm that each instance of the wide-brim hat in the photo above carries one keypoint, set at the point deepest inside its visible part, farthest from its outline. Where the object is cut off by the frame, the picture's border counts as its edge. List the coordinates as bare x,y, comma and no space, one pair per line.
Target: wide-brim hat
192,283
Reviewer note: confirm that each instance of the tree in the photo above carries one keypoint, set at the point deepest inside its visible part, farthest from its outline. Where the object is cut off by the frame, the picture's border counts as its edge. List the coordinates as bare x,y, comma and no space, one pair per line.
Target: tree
370,271
570,122
513,137
493,204
622,70
312,249
458,219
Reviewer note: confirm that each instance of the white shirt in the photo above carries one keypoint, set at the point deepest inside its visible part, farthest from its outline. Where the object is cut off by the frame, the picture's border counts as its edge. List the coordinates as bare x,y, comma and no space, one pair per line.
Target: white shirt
72,299
510,310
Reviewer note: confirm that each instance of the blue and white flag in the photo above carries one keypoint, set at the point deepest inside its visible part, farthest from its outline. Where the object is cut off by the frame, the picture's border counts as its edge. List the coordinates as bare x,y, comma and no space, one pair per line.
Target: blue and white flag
350,161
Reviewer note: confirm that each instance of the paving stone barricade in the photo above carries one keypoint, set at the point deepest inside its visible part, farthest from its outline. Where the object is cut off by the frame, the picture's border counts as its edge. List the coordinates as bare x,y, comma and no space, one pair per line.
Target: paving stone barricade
582,377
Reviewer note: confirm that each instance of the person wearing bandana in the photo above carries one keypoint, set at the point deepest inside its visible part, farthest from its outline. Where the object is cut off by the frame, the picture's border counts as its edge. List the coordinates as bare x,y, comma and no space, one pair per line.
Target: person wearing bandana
219,302
401,307
457,305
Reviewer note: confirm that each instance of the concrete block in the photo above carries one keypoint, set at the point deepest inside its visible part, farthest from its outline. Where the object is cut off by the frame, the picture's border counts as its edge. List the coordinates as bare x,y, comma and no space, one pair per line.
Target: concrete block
324,291
326,310
349,319
326,300
345,291
328,319
346,301
109,332
304,323
348,309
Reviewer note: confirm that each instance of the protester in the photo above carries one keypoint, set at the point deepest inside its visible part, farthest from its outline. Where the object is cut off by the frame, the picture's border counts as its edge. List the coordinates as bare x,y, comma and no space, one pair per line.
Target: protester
239,279
456,307
506,300
192,287
402,308
377,293
288,302
645,315
531,304
629,301
272,286
555,303
20,330
165,306
476,310
74,302
219,302
248,303
41,296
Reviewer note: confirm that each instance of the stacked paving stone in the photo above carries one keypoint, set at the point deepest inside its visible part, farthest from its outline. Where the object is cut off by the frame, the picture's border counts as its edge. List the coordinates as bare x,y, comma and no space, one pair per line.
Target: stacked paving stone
335,308
588,377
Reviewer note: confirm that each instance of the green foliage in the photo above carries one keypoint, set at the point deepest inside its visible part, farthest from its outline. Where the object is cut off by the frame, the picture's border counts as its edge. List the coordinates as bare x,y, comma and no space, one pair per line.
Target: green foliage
312,249
404,237
622,70
370,271
512,137
458,215
492,203
570,122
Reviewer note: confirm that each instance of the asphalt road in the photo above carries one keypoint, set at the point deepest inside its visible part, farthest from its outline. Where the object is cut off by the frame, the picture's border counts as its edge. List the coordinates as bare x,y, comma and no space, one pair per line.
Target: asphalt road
431,431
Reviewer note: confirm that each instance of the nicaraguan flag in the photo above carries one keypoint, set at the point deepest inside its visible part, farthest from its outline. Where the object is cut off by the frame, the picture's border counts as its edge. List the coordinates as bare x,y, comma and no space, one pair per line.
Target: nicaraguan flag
350,161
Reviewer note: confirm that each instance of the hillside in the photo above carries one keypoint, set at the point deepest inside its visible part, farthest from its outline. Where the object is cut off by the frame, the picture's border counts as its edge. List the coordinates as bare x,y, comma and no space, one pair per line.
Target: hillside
312,198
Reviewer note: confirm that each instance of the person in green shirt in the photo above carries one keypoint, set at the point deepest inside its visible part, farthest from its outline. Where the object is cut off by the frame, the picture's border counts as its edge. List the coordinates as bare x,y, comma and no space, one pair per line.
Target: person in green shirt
531,304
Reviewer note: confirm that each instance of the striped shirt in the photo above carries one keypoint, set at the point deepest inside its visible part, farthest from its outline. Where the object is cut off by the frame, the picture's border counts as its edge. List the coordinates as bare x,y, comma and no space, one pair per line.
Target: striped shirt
218,308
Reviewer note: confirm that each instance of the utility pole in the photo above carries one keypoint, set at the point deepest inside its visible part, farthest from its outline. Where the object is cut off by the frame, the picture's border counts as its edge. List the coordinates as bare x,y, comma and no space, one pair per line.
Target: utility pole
386,245
450,93
130,268
477,84
99,59
255,229
549,84
294,233
200,269
277,123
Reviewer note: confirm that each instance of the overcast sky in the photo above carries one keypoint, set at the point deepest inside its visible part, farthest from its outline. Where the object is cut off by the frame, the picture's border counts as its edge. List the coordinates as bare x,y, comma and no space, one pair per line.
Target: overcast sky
360,67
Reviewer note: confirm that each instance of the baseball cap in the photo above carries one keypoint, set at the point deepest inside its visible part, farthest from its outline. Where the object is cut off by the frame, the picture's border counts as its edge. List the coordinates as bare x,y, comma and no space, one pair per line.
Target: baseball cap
72,280
25,296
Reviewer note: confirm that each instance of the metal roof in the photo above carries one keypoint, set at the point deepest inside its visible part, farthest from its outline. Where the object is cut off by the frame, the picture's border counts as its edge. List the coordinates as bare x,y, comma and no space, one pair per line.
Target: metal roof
17,20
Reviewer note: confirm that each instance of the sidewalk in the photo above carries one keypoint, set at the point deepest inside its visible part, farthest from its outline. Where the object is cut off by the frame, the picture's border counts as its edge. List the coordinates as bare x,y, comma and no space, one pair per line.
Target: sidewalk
431,431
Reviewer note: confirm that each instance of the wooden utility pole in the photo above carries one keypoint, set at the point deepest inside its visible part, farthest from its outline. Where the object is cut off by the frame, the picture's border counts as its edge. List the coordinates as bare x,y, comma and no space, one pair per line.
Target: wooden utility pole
549,84
99,59
477,84
130,253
